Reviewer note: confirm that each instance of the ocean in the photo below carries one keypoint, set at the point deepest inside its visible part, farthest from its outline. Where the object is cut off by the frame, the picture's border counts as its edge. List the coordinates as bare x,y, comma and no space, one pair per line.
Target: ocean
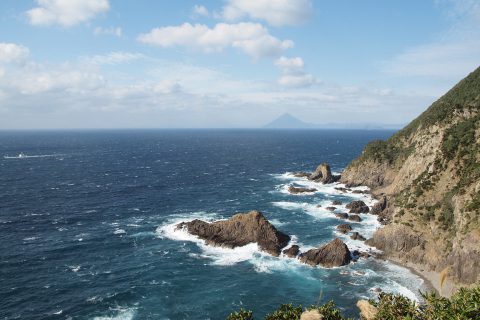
87,223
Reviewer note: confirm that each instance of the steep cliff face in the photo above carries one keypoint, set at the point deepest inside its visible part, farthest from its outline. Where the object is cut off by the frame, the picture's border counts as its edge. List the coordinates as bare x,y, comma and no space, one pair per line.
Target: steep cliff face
430,174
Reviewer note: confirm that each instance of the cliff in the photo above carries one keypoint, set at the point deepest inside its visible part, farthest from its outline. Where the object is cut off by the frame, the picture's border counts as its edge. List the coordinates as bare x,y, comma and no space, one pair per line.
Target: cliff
429,173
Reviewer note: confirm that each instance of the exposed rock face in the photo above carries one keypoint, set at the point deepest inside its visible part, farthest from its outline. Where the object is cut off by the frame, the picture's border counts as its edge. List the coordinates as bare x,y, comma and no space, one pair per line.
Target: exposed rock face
323,174
333,254
355,218
239,230
358,206
428,173
344,228
379,206
311,315
297,190
367,311
292,252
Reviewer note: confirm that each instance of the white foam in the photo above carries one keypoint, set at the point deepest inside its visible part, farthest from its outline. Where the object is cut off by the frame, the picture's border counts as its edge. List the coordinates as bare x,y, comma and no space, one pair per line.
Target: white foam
74,268
122,314
119,231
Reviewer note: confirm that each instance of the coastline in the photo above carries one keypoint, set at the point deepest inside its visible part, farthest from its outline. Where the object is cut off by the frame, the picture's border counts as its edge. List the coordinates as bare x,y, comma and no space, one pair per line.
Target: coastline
434,281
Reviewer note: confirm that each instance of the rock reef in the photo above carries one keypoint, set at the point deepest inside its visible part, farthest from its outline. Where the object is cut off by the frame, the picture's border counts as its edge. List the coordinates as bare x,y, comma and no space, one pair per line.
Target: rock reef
333,254
239,230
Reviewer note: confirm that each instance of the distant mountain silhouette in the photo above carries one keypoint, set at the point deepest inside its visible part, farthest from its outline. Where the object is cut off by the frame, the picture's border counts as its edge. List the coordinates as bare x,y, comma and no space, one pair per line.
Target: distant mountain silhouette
287,121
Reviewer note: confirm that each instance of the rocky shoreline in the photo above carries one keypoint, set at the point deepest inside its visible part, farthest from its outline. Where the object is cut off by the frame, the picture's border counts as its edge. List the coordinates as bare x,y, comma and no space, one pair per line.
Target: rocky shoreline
252,227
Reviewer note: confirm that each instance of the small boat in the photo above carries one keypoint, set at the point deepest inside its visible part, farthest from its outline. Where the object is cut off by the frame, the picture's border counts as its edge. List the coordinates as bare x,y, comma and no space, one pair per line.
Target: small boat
21,155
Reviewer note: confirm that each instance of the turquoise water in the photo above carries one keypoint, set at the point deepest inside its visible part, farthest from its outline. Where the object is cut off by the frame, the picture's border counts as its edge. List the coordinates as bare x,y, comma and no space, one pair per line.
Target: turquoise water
86,223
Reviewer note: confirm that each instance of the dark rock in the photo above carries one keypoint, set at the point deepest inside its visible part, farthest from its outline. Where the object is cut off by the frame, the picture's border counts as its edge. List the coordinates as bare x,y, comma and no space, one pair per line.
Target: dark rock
301,174
358,206
360,192
292,252
296,190
379,206
341,189
355,218
357,236
323,174
333,254
331,208
342,215
239,230
336,202
319,205
344,228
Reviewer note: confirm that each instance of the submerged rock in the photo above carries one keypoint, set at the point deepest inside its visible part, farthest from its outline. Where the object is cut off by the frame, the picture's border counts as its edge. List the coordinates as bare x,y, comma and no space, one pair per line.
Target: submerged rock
358,206
341,215
344,228
301,174
355,218
296,190
331,208
292,252
337,203
333,254
239,230
357,236
323,174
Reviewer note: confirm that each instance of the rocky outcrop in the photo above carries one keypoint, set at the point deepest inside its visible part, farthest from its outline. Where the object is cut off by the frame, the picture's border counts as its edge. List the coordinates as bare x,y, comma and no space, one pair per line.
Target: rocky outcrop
341,215
292,252
336,203
313,314
427,178
297,190
344,228
379,206
331,208
239,230
358,206
323,174
333,254
367,310
357,236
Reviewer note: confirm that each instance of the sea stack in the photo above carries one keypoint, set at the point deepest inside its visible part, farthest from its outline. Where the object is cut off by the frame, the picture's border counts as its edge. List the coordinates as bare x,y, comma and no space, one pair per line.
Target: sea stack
333,254
239,230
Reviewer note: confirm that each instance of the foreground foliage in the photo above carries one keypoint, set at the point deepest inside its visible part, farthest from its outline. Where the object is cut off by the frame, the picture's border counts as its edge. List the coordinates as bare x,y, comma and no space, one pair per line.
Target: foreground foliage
463,305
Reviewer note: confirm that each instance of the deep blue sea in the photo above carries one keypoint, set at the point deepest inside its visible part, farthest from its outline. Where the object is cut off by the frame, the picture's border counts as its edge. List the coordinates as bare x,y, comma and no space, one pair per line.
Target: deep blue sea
87,223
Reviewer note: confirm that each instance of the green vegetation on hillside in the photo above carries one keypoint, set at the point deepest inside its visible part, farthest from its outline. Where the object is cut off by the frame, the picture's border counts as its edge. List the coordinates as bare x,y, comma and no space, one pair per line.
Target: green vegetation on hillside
463,305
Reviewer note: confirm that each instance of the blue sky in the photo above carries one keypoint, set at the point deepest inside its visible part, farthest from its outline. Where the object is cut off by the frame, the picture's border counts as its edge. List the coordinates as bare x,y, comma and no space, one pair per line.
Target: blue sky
232,63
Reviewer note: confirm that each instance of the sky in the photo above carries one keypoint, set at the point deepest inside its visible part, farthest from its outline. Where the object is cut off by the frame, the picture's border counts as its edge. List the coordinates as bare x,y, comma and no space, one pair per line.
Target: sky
230,63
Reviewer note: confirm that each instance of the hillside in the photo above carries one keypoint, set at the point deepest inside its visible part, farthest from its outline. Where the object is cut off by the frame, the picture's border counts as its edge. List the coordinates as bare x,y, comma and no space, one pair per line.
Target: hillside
430,174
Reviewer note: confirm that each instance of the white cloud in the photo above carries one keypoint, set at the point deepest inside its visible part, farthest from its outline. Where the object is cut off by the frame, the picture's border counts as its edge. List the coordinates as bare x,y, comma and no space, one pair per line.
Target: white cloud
453,56
200,11
167,86
275,12
251,38
65,12
293,73
13,53
110,31
113,58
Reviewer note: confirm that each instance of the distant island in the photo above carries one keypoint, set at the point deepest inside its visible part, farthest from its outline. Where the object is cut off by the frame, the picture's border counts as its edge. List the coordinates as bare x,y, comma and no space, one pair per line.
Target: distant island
288,121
